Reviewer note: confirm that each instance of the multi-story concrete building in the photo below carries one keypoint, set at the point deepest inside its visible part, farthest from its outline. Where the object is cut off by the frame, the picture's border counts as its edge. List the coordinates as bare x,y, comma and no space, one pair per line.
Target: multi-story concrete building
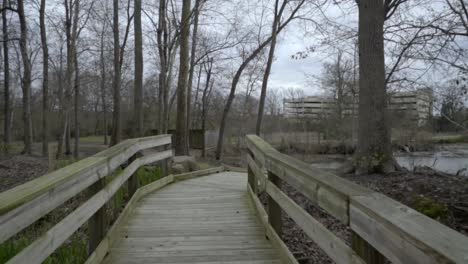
415,105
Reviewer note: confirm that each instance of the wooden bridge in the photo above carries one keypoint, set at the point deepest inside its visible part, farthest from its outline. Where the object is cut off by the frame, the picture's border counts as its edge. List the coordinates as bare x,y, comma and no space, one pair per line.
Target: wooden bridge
215,215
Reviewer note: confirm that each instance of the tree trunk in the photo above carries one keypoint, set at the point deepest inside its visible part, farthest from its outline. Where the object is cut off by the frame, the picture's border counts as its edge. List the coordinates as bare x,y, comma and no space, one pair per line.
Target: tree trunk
196,111
116,119
266,75
6,82
45,80
232,94
374,152
205,96
162,51
27,79
204,112
68,133
138,94
76,138
181,139
196,14
103,84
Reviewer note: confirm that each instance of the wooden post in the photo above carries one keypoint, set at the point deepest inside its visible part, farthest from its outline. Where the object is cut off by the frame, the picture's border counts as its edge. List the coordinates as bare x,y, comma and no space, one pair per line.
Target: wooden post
165,164
133,180
251,175
97,223
365,250
274,210
251,179
51,156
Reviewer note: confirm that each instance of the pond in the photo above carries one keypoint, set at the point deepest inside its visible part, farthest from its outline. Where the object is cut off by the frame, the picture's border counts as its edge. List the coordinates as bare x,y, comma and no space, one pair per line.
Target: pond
447,158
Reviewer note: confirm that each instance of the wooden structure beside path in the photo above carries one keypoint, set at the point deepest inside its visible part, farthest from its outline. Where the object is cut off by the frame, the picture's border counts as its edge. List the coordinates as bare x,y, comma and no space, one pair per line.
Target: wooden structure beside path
215,215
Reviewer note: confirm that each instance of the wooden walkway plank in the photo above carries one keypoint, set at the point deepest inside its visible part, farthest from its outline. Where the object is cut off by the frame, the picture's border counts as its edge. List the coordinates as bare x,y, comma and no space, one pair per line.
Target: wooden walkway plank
202,220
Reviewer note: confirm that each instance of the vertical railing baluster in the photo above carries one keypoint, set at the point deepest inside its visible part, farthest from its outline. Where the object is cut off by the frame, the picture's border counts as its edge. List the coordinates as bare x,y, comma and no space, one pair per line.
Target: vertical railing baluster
274,210
133,180
365,250
251,175
97,223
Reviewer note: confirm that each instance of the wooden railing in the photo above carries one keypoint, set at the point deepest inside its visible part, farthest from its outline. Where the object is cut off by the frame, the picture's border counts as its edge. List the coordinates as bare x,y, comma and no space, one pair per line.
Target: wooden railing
381,227
23,205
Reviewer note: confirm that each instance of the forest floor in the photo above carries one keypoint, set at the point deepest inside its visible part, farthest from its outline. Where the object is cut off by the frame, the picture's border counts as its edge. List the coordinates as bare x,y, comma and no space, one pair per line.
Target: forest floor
16,169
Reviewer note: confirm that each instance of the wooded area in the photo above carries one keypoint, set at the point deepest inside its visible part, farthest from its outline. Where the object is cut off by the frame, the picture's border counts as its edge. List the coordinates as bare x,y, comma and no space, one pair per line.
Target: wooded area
133,68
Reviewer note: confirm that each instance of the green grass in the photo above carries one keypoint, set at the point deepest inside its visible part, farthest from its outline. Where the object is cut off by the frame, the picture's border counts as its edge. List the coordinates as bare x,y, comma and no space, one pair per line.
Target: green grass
74,252
147,175
450,139
11,247
92,139
71,252
431,208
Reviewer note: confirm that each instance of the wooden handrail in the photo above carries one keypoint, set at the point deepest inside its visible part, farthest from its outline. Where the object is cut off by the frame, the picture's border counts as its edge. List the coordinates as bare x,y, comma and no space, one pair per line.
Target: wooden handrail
381,225
23,205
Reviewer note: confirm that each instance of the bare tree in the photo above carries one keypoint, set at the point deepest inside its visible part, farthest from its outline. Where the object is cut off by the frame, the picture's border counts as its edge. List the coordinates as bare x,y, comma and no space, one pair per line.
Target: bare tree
271,54
196,14
205,97
103,83
6,80
27,79
45,79
245,62
116,81
181,136
138,94
72,11
374,151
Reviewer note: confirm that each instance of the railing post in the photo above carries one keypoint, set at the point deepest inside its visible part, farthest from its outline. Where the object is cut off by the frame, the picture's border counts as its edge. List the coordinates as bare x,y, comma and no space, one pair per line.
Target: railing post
365,250
274,210
133,180
96,224
251,180
166,162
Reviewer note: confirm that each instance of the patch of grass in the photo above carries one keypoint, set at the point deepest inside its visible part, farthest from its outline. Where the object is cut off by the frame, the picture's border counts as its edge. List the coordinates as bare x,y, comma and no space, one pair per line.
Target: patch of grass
73,252
11,247
92,139
431,208
204,165
451,139
147,175
63,163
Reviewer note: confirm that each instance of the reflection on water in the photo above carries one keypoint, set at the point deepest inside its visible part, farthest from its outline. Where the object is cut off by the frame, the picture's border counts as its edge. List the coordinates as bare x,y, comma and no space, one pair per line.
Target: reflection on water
450,159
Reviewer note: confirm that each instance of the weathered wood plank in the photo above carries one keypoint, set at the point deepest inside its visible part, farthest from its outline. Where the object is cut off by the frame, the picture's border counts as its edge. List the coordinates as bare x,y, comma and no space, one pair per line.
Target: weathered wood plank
97,223
285,255
52,239
195,227
365,250
194,174
112,235
323,188
335,248
23,205
259,178
274,211
403,235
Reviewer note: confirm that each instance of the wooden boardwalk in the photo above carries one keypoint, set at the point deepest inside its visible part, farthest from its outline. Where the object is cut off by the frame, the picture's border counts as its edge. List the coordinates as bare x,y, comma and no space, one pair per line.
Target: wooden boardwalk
208,219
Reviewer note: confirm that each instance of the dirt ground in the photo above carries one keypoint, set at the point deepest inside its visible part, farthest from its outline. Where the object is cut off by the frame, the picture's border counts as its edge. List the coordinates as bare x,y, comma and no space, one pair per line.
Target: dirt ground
16,170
